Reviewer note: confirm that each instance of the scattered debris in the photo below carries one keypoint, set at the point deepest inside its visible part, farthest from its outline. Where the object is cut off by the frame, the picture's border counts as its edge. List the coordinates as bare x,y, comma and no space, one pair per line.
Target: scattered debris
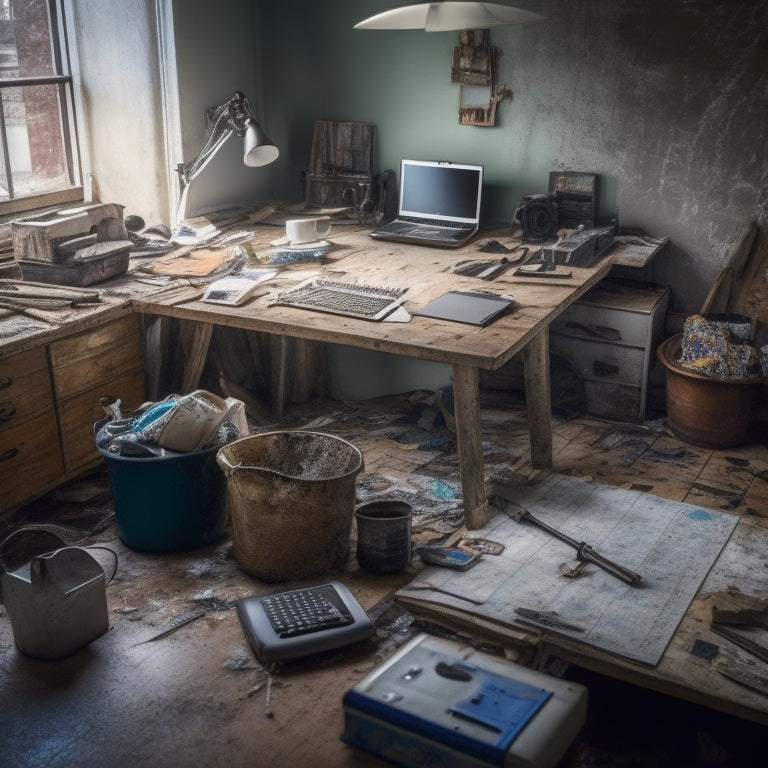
705,650
177,623
242,659
717,348
210,602
742,668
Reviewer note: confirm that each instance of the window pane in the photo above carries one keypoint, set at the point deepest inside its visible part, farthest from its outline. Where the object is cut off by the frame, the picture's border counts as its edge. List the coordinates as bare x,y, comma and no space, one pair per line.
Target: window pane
25,39
35,137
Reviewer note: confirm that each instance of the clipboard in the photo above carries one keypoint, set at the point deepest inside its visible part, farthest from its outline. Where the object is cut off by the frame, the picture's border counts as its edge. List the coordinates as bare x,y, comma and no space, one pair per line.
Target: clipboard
472,307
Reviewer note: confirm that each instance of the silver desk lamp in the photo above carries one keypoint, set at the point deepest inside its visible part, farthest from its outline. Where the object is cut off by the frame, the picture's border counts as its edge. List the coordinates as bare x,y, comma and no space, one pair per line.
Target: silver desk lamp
234,116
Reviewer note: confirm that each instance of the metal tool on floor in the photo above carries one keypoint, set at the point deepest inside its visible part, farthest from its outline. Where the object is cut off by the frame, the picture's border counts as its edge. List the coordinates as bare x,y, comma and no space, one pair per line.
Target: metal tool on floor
433,588
584,552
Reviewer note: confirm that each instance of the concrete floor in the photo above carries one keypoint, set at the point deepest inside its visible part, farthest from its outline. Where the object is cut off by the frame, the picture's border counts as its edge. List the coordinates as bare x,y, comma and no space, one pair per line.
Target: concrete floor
195,696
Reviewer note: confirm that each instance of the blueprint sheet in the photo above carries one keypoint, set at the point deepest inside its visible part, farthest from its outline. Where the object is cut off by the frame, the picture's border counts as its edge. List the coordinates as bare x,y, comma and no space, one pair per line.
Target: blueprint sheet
670,544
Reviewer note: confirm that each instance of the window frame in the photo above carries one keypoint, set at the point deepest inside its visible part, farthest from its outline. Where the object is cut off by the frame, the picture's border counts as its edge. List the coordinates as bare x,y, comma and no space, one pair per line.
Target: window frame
64,81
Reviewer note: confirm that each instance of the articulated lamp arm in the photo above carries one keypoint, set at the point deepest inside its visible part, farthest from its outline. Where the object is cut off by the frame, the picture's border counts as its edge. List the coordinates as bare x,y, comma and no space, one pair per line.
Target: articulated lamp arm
234,116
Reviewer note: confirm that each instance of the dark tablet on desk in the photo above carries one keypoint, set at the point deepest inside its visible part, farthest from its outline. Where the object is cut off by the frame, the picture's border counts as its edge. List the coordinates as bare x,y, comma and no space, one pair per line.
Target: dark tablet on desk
471,307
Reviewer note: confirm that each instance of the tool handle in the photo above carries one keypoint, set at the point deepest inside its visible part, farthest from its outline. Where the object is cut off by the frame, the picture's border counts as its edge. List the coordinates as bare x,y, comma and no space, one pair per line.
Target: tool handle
585,553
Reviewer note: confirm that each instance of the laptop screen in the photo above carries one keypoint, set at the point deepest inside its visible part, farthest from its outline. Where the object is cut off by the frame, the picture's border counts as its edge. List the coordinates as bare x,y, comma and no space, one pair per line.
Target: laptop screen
441,190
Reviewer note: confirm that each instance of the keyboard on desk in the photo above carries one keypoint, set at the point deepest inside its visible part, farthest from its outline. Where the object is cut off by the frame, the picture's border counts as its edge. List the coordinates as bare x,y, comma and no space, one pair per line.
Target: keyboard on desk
363,301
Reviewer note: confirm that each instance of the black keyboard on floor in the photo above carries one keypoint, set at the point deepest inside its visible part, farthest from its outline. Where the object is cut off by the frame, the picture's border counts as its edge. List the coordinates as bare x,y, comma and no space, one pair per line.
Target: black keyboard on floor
301,622
306,610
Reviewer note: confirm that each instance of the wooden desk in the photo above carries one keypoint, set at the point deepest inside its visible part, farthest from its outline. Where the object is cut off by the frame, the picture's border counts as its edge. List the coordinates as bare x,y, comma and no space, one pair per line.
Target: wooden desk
427,273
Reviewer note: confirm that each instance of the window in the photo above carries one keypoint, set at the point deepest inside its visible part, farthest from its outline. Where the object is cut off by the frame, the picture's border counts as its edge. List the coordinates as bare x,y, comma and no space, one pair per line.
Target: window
39,162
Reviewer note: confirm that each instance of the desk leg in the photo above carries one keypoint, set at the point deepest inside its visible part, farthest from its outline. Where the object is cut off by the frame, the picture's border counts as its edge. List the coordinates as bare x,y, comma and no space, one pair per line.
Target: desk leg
538,399
195,340
466,399
278,353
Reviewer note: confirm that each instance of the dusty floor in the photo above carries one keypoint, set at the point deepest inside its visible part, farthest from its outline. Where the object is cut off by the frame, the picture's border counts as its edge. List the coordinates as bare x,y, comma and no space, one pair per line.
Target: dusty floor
173,680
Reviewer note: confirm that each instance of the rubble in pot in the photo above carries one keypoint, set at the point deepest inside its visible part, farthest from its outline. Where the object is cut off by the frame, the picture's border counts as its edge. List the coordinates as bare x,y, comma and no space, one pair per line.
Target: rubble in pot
177,424
717,348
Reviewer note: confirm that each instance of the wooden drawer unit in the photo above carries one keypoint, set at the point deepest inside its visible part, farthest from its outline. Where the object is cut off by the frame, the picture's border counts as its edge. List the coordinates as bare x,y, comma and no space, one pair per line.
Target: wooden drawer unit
25,387
610,338
30,459
49,402
78,414
105,361
97,356
29,436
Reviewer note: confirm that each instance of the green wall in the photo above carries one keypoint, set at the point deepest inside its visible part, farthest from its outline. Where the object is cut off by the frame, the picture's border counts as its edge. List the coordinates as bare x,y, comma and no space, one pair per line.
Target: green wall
667,100
319,68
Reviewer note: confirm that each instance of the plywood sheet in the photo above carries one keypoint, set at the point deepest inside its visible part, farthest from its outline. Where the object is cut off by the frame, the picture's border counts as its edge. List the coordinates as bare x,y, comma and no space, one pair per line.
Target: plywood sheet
671,544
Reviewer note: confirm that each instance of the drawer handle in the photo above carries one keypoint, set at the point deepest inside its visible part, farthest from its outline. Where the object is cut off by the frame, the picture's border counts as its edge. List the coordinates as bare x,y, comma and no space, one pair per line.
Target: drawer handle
11,453
6,381
7,412
596,331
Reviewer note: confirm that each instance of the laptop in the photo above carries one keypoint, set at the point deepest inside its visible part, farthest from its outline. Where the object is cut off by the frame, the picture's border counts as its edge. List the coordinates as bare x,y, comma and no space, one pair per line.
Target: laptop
439,204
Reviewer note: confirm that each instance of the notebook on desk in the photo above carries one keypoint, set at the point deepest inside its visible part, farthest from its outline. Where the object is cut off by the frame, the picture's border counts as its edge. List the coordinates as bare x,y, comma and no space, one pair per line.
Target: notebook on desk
439,204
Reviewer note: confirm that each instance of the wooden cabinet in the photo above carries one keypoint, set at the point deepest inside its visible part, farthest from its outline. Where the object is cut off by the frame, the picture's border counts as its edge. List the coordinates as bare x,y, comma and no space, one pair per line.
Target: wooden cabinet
610,337
106,361
49,402
29,435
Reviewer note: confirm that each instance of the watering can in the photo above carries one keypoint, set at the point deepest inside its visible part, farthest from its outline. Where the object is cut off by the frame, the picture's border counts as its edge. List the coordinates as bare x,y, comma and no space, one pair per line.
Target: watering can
57,602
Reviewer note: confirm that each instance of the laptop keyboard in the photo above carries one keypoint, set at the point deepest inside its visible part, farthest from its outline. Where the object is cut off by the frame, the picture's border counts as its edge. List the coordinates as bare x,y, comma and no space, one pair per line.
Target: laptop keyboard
434,223
427,231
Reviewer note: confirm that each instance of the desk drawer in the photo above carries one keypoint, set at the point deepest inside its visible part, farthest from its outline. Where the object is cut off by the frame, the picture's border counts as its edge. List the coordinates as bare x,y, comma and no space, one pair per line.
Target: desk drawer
78,414
614,401
602,362
30,460
25,387
590,322
101,355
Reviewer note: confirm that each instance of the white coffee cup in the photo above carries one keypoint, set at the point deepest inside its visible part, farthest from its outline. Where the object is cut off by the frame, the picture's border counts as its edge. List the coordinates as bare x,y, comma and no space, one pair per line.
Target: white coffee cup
307,230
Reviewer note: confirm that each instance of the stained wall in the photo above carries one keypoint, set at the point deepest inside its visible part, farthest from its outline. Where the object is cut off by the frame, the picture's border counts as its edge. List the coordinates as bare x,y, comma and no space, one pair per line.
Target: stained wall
667,100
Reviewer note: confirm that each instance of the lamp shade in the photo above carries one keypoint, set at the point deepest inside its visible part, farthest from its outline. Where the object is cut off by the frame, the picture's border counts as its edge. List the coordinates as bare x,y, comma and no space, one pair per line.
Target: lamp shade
259,149
448,15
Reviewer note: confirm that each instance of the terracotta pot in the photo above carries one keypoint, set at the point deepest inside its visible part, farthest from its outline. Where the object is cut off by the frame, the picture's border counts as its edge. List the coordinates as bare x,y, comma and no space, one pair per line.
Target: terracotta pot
704,410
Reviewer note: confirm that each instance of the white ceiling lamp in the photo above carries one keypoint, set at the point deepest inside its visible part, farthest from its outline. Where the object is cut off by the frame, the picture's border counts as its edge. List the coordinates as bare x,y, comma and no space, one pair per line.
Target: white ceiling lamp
447,16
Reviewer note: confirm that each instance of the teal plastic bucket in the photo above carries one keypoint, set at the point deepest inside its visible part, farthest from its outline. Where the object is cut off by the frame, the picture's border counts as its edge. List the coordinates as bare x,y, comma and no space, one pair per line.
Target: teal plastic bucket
170,503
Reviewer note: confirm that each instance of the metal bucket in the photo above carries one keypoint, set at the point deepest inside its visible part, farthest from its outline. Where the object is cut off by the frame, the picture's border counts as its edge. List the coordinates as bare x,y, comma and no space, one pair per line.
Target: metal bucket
703,410
383,536
292,498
